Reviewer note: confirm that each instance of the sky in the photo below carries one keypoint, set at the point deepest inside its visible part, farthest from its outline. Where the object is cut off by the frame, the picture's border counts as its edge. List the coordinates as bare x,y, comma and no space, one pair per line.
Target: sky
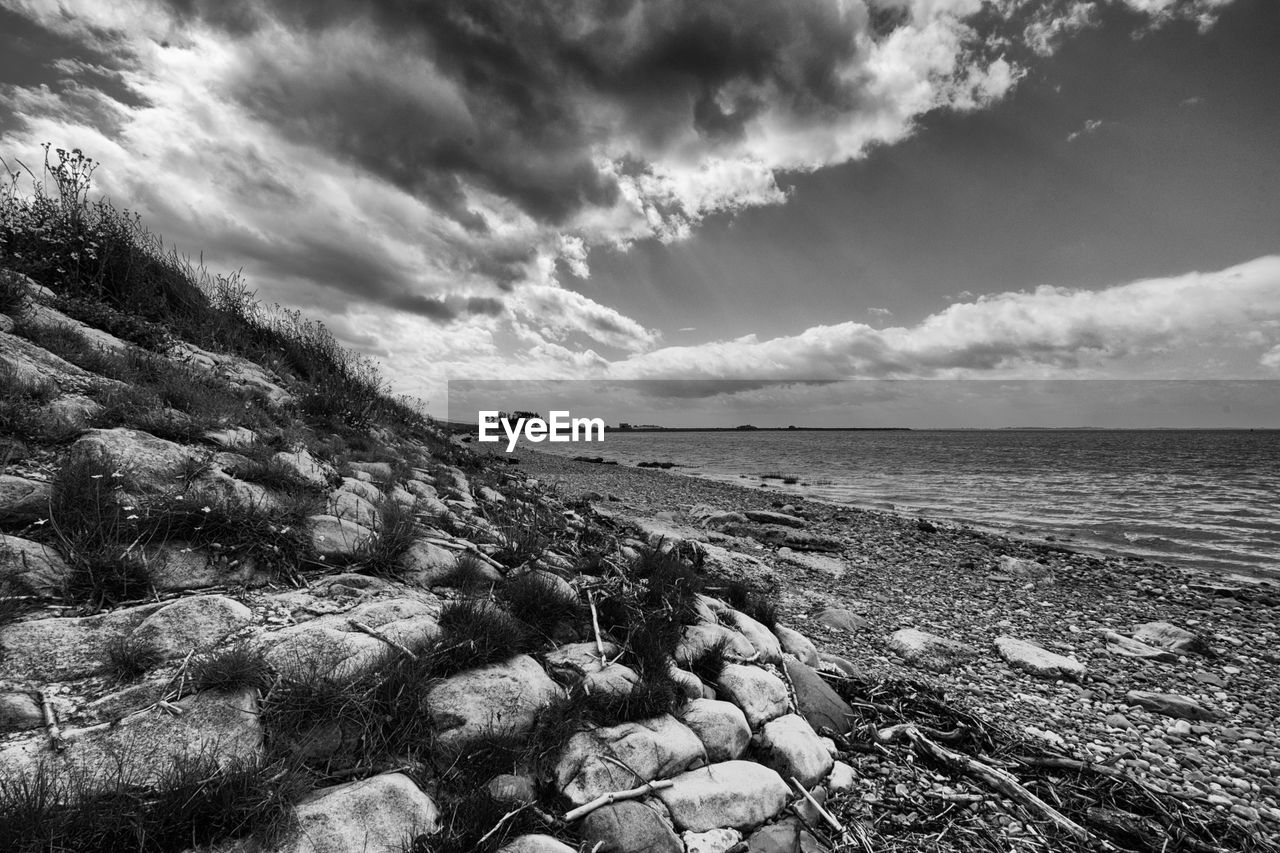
725,191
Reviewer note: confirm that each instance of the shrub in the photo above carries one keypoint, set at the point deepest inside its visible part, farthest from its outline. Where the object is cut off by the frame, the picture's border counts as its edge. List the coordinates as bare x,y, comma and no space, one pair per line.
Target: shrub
128,327
671,585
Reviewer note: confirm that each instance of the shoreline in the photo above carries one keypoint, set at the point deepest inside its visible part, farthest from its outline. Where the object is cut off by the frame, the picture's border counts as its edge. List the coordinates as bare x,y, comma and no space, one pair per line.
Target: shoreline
898,573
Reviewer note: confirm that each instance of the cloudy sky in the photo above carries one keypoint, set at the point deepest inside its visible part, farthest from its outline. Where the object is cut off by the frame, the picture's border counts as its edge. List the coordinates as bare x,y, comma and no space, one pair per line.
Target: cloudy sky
722,189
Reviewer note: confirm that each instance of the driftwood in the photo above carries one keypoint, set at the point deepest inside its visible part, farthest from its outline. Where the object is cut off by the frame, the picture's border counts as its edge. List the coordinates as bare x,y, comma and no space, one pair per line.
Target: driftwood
595,626
502,821
992,777
378,635
51,722
614,797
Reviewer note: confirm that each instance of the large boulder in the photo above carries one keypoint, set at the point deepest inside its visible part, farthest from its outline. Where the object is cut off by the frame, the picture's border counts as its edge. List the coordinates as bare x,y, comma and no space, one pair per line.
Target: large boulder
929,651
381,813
32,567
630,827
767,646
305,467
502,698
190,624
797,645
721,726
349,506
735,794
816,701
336,539
760,694
1172,705
697,640
1040,662
23,501
151,465
19,711
238,371
791,746
618,757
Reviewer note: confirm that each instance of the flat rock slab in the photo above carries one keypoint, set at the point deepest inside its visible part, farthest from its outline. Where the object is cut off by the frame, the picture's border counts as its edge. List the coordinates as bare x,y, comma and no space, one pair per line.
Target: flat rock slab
1166,635
378,813
817,701
618,757
1172,705
736,794
929,651
790,746
1042,663
502,698
1130,648
842,619
780,518
833,566
760,694
65,648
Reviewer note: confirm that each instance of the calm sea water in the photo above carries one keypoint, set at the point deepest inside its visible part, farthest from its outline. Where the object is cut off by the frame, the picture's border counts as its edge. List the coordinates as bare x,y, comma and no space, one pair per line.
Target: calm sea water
1201,499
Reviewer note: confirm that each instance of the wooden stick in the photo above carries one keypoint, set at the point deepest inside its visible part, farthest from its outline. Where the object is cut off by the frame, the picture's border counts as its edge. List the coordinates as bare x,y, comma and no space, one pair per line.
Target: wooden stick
502,821
375,633
616,796
826,815
595,625
51,721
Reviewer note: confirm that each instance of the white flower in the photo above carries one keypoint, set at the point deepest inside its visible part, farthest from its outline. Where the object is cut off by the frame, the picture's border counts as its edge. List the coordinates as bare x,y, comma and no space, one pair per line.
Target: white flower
131,518
205,509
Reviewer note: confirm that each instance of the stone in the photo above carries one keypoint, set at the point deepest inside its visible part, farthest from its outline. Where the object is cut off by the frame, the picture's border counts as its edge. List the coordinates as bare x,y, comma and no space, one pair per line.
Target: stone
32,365
237,370
630,826
689,685
737,794
760,694
306,467
824,563
721,726
615,758
350,506
1118,721
1122,645
231,437
1041,663
72,412
569,664
536,844
817,701
19,711
177,565
782,519
375,814
1165,635
331,645
1171,705
842,777
842,667
44,317
152,465
65,647
842,619
767,646
785,836
502,698
381,472
929,651
697,640
336,538
512,789
428,564
31,567
712,841
1027,570
797,645
190,624
790,746
143,746
23,501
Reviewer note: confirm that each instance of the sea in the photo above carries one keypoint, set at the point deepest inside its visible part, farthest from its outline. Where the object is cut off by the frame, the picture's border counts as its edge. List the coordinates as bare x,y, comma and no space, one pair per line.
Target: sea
1201,499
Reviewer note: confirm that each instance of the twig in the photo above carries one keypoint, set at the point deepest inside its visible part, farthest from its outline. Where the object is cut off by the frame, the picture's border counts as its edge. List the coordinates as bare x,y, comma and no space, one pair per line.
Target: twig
595,625
51,721
616,796
502,821
375,633
826,815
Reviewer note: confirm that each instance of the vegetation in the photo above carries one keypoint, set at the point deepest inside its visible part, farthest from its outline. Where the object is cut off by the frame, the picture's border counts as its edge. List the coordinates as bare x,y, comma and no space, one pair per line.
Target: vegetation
233,668
128,659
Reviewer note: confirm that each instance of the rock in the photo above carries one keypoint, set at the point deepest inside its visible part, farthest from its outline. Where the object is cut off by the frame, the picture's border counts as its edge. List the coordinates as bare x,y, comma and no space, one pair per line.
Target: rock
790,746
33,365
231,437
22,501
72,412
44,317
711,841
842,619
429,564
177,565
760,694
618,757
143,746
842,666
381,472
1118,721
19,711
929,651
842,777
736,794
336,538
500,698
1122,645
1171,705
536,844
570,663
833,566
721,726
190,624
512,789
697,640
688,684
350,506
237,370
306,467
785,836
153,465
629,827
32,568
1165,635
768,648
817,702
331,645
797,645
1042,663
376,814
65,648
782,519
1028,570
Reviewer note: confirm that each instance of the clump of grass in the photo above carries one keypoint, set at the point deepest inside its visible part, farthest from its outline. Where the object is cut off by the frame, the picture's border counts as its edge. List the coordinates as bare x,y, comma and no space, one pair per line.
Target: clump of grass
651,697
233,668
754,603
469,573
542,604
671,584
270,473
467,819
524,532
21,404
127,327
13,294
393,535
476,632
711,663
128,660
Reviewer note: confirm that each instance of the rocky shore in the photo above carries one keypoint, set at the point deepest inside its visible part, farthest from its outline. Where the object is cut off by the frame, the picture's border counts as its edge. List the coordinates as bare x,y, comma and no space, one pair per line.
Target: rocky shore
235,616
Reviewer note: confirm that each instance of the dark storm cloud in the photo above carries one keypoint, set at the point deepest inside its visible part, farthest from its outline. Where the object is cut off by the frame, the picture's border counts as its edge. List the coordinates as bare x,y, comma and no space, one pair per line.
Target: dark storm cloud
523,89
